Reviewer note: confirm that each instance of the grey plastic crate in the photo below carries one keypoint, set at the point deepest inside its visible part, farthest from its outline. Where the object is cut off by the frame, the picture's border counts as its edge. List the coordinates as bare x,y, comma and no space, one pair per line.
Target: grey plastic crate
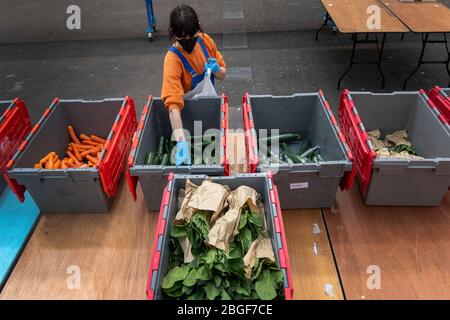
311,185
400,182
74,190
155,122
262,183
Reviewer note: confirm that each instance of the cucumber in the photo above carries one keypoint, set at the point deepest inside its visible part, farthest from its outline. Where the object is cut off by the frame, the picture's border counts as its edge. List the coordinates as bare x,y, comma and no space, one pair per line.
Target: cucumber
149,158
286,159
157,160
319,158
289,153
285,137
198,161
310,152
165,159
304,145
170,145
160,149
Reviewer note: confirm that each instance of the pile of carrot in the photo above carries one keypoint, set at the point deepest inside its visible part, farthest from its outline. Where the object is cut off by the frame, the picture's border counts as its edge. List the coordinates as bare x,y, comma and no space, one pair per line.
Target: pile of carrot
82,152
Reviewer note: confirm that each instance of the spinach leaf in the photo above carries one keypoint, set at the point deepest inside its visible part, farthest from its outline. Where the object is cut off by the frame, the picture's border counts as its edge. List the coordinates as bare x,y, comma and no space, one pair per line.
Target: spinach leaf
264,286
174,275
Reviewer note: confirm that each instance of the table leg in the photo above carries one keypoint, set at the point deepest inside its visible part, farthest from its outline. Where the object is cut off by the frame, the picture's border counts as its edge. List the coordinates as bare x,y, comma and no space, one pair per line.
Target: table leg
447,65
380,49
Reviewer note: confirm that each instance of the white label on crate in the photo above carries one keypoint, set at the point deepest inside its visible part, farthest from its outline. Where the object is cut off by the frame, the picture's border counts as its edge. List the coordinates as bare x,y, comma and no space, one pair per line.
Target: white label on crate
299,185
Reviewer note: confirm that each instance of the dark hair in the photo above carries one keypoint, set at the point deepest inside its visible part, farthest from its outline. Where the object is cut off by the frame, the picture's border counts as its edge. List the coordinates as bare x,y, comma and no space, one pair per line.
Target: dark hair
183,22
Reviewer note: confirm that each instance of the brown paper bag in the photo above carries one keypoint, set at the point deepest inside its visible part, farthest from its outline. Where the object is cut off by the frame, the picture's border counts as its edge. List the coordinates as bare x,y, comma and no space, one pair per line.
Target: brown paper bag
261,249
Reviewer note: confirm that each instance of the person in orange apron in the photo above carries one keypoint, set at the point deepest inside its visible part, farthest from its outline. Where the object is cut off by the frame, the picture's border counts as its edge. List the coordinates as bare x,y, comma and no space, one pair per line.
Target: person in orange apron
185,64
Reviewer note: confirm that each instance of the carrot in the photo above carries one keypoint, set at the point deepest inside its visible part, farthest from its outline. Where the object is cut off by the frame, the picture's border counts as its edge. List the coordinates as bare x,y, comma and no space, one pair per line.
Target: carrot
93,143
72,134
84,137
91,151
92,159
63,164
70,163
84,166
77,153
50,163
45,159
58,164
97,139
38,166
70,148
75,160
84,146
90,164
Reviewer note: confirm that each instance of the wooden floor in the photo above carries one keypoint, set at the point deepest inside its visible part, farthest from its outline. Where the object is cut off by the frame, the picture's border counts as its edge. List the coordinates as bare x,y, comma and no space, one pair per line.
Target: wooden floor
409,246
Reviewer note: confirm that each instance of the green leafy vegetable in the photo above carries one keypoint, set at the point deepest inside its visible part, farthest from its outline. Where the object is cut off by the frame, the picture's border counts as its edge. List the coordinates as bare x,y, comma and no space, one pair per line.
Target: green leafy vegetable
215,274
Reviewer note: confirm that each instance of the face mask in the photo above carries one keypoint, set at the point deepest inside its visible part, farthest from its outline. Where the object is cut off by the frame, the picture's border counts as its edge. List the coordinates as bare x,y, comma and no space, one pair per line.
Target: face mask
188,44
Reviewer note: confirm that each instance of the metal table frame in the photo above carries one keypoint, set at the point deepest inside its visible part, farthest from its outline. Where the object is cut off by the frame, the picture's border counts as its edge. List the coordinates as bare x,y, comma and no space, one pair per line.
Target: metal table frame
377,62
425,42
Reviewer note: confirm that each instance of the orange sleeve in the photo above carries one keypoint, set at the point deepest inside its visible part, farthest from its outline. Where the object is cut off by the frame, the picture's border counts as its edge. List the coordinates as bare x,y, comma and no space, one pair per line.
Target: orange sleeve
172,89
212,49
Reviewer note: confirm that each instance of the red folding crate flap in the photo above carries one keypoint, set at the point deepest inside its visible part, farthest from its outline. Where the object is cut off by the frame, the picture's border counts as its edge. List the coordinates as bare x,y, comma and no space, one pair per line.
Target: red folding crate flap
441,102
133,180
279,228
250,140
116,149
357,140
160,229
13,129
224,142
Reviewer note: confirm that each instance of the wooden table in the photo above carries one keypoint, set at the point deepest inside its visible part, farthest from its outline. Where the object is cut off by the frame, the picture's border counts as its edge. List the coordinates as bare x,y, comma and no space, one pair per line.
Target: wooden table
424,18
352,17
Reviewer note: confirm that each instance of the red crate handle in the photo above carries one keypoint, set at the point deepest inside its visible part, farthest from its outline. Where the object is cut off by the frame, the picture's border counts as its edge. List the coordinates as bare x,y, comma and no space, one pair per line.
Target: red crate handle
349,176
357,140
250,140
160,228
225,126
442,103
117,147
133,180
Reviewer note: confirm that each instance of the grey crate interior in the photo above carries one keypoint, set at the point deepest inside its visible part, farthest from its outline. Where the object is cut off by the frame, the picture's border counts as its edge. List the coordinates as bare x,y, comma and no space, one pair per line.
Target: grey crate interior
304,114
3,106
259,182
67,190
300,113
399,181
157,123
446,91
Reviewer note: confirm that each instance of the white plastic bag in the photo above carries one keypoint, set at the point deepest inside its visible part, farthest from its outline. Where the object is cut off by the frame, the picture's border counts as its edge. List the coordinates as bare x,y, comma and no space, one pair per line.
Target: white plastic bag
204,89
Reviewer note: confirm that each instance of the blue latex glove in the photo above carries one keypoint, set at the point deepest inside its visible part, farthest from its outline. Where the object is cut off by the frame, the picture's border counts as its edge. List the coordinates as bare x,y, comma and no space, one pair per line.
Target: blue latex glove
212,65
183,155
